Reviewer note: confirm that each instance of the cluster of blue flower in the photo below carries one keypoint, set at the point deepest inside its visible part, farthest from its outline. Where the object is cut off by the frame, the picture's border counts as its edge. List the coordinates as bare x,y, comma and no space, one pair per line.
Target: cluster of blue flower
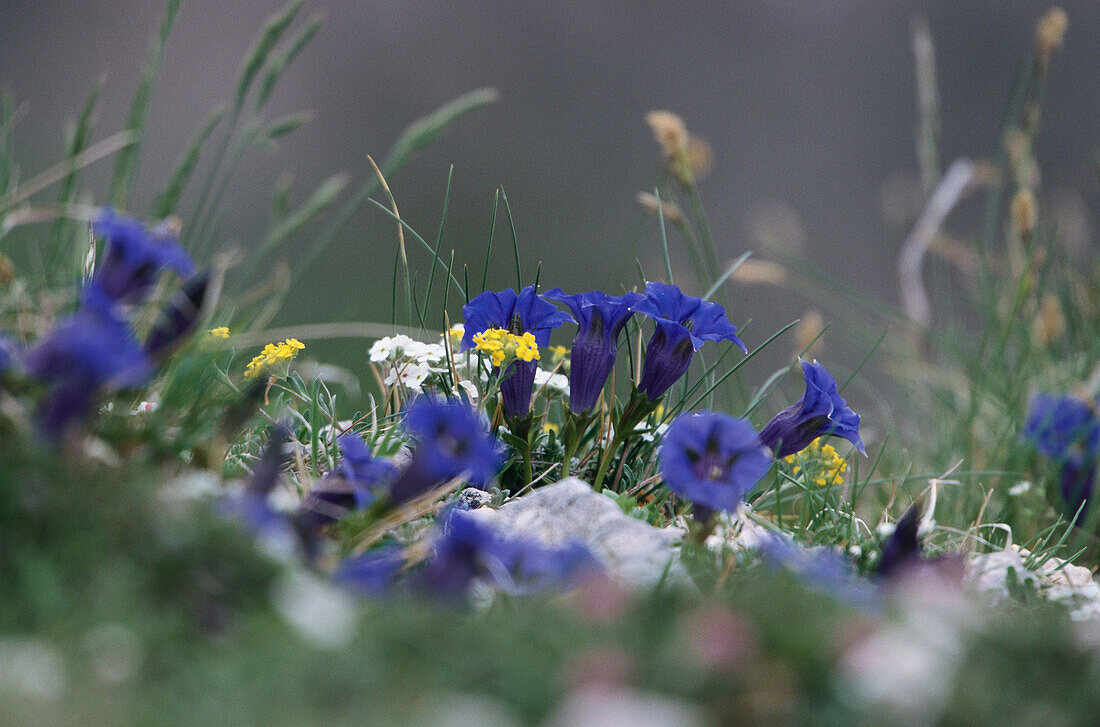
94,349
709,458
1067,430
451,441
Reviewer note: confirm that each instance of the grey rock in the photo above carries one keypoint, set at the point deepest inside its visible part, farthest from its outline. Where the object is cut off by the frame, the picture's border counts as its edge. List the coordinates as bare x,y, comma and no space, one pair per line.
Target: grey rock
472,498
633,552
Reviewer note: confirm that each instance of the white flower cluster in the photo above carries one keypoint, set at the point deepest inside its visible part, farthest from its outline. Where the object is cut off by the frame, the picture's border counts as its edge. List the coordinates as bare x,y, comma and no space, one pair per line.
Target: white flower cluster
413,363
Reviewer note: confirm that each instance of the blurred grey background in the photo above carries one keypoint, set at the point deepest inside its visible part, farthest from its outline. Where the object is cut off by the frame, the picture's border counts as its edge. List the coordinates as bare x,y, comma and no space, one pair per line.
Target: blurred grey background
809,107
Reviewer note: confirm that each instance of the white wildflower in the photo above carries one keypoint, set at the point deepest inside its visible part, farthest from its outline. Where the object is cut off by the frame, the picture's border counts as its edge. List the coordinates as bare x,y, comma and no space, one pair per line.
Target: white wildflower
411,375
555,382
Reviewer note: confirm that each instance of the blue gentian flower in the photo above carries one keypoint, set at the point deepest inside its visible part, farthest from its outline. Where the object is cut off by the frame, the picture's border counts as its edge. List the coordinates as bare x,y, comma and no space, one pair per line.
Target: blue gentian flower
821,570
820,412
600,318
134,258
712,460
1067,430
353,485
684,324
526,312
467,549
90,351
371,574
452,441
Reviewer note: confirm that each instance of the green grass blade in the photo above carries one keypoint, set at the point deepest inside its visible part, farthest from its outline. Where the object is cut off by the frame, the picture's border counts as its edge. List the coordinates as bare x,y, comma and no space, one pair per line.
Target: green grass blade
416,136
726,275
126,162
287,124
664,234
280,62
273,30
322,197
515,239
439,237
169,196
489,244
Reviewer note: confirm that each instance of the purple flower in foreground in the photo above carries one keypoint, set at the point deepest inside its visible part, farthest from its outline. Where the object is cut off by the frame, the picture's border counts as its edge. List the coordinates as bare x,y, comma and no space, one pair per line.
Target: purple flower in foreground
526,312
353,485
820,412
135,256
902,548
179,316
684,324
819,569
1062,425
467,549
1067,430
251,507
90,351
600,319
371,574
713,460
452,441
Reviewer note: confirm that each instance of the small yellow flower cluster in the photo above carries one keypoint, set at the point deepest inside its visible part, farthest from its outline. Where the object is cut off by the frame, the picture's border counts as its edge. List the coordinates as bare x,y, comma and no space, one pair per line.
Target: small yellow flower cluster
502,345
220,332
822,463
272,354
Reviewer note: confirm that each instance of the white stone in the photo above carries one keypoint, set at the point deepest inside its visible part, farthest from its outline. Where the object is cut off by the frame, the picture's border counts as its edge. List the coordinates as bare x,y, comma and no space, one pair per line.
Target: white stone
632,551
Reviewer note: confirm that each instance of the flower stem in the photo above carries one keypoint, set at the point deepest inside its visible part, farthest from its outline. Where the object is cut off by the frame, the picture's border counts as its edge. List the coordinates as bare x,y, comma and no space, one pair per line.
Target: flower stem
637,409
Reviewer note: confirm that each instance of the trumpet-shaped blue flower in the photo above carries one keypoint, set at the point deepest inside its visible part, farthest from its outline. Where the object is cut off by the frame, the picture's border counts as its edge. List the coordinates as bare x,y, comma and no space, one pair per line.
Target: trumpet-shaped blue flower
526,312
684,324
452,441
600,318
820,412
467,549
712,460
135,256
1067,430
91,350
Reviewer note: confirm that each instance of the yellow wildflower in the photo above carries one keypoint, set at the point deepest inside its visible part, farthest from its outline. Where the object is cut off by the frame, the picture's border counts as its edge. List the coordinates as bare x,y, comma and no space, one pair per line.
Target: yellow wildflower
502,345
822,464
220,332
272,354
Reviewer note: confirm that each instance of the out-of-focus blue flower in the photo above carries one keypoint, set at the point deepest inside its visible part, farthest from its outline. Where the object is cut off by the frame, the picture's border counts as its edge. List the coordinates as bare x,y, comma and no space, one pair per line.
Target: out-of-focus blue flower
90,351
1067,430
820,569
467,549
1061,425
9,351
371,574
526,312
251,508
353,485
180,314
712,460
684,324
600,318
135,256
902,549
820,412
452,441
